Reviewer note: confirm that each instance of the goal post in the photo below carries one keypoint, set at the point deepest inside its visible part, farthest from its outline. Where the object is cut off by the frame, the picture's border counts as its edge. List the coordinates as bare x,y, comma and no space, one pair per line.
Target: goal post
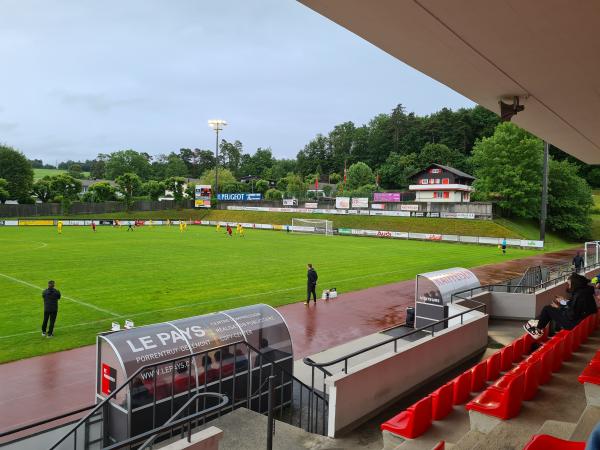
318,226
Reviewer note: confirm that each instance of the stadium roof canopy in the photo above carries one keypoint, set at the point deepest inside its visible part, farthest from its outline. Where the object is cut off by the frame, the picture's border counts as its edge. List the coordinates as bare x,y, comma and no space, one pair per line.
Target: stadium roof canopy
546,52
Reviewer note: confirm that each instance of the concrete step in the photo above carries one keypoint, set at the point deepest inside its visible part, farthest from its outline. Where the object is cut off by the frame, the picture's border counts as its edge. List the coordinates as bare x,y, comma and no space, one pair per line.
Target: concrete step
469,440
586,423
556,428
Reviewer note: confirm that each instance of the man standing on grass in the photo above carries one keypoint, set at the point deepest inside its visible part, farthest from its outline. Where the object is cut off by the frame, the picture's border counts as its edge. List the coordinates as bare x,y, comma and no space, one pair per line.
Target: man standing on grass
51,297
311,286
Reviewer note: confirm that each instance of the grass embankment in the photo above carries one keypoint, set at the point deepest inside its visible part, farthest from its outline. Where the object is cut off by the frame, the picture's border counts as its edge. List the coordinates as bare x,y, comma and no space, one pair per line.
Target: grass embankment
41,173
155,274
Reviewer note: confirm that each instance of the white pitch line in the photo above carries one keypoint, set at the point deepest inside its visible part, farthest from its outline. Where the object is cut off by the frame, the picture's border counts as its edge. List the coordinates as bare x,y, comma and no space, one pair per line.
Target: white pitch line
189,305
79,302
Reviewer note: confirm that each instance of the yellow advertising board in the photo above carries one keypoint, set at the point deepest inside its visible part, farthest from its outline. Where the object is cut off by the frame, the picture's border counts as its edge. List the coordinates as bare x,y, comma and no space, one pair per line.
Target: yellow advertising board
277,227
36,222
202,203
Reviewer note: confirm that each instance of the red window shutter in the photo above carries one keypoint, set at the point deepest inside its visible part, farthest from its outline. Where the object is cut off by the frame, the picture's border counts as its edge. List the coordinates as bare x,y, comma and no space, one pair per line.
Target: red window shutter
446,194
445,181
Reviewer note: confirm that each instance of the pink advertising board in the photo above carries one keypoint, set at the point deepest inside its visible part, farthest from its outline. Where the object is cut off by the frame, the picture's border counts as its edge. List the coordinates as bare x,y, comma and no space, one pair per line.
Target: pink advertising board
386,196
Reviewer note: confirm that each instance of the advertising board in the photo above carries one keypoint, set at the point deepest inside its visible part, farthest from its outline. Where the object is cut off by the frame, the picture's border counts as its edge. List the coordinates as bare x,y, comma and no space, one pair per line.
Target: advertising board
377,206
390,197
290,202
202,195
311,205
342,202
239,197
360,202
36,222
409,207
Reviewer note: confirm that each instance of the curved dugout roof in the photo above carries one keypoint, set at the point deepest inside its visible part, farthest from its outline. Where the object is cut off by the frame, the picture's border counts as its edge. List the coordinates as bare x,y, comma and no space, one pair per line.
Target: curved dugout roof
543,50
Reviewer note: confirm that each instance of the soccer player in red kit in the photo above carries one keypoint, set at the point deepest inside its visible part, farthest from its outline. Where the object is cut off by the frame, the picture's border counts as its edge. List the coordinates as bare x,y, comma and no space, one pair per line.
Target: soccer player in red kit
228,230
94,226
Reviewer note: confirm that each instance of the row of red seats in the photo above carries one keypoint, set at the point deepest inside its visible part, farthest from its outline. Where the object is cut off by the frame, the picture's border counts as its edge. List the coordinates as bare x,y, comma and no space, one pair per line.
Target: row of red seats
417,419
591,374
504,398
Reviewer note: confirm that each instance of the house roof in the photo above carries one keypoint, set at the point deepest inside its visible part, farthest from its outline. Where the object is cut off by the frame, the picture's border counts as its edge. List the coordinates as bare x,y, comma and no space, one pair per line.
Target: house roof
456,172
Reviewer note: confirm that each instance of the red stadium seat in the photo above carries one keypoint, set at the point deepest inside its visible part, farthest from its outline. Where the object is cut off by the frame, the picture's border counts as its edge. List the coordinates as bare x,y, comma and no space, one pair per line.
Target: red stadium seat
533,369
546,442
442,401
576,338
506,358
568,344
440,446
462,388
591,374
546,356
503,403
559,348
478,376
527,343
412,422
493,366
518,345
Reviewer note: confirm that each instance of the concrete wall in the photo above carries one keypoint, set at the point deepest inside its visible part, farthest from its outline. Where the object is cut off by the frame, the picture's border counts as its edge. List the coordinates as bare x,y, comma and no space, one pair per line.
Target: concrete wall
371,386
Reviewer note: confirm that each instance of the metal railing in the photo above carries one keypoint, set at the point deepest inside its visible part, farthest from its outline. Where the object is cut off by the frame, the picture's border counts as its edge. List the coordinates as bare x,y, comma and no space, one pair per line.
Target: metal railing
431,328
294,402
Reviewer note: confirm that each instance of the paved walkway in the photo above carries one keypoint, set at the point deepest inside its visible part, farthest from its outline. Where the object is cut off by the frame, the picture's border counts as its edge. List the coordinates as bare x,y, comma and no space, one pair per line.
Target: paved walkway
46,386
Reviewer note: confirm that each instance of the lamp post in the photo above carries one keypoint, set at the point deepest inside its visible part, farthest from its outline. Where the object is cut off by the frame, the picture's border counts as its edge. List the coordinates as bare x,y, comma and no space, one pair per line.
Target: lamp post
217,125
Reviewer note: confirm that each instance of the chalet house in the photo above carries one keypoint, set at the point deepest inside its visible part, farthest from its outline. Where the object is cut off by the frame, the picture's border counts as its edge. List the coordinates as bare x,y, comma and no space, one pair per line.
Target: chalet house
438,183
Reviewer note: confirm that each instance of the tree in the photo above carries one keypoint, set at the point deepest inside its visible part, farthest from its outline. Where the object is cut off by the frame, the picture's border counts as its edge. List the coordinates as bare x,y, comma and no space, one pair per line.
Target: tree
75,170
17,171
4,195
508,167
205,160
335,178
190,190
175,185
569,201
65,187
154,189
42,189
397,170
225,177
359,174
441,154
102,192
98,169
261,186
128,161
273,194
295,186
230,155
128,185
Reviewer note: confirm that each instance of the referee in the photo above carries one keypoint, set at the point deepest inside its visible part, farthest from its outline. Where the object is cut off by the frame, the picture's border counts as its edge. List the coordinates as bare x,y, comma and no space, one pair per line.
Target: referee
311,284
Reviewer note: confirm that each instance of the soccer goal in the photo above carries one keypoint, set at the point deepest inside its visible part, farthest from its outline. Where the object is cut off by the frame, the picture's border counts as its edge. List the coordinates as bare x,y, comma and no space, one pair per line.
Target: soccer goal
319,226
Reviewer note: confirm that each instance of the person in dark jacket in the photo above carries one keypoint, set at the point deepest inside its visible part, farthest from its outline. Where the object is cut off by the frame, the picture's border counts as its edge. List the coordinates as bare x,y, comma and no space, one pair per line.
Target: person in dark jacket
578,262
566,313
311,286
51,297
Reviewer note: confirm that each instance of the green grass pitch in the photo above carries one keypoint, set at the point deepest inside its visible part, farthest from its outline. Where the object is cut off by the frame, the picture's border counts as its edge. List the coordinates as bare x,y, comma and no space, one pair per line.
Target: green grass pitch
158,273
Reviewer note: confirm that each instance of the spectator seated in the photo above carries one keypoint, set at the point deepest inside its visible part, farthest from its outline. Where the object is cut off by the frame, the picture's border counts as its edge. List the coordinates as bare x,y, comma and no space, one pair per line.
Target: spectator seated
478,377
462,388
547,442
412,422
501,402
442,401
527,343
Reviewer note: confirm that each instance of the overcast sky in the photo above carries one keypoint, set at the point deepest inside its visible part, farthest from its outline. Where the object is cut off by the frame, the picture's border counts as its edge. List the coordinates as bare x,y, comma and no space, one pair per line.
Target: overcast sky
83,77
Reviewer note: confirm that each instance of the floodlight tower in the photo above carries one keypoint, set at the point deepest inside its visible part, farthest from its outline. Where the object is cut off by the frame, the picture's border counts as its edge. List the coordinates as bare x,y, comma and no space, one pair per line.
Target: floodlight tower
217,125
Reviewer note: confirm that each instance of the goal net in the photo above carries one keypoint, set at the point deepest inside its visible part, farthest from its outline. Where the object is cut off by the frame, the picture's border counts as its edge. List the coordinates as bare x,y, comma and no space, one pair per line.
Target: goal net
318,226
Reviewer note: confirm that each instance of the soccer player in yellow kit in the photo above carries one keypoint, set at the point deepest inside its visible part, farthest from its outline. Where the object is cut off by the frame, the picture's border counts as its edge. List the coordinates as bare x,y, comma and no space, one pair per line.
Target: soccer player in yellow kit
59,226
181,226
218,226
241,230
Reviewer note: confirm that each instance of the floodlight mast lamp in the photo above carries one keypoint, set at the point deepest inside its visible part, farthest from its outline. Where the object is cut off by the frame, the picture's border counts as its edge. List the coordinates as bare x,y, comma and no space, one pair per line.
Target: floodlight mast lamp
217,125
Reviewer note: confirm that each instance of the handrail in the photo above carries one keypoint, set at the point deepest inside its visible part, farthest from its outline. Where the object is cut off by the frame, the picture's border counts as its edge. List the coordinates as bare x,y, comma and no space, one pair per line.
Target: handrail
126,383
165,427
308,361
45,421
224,401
